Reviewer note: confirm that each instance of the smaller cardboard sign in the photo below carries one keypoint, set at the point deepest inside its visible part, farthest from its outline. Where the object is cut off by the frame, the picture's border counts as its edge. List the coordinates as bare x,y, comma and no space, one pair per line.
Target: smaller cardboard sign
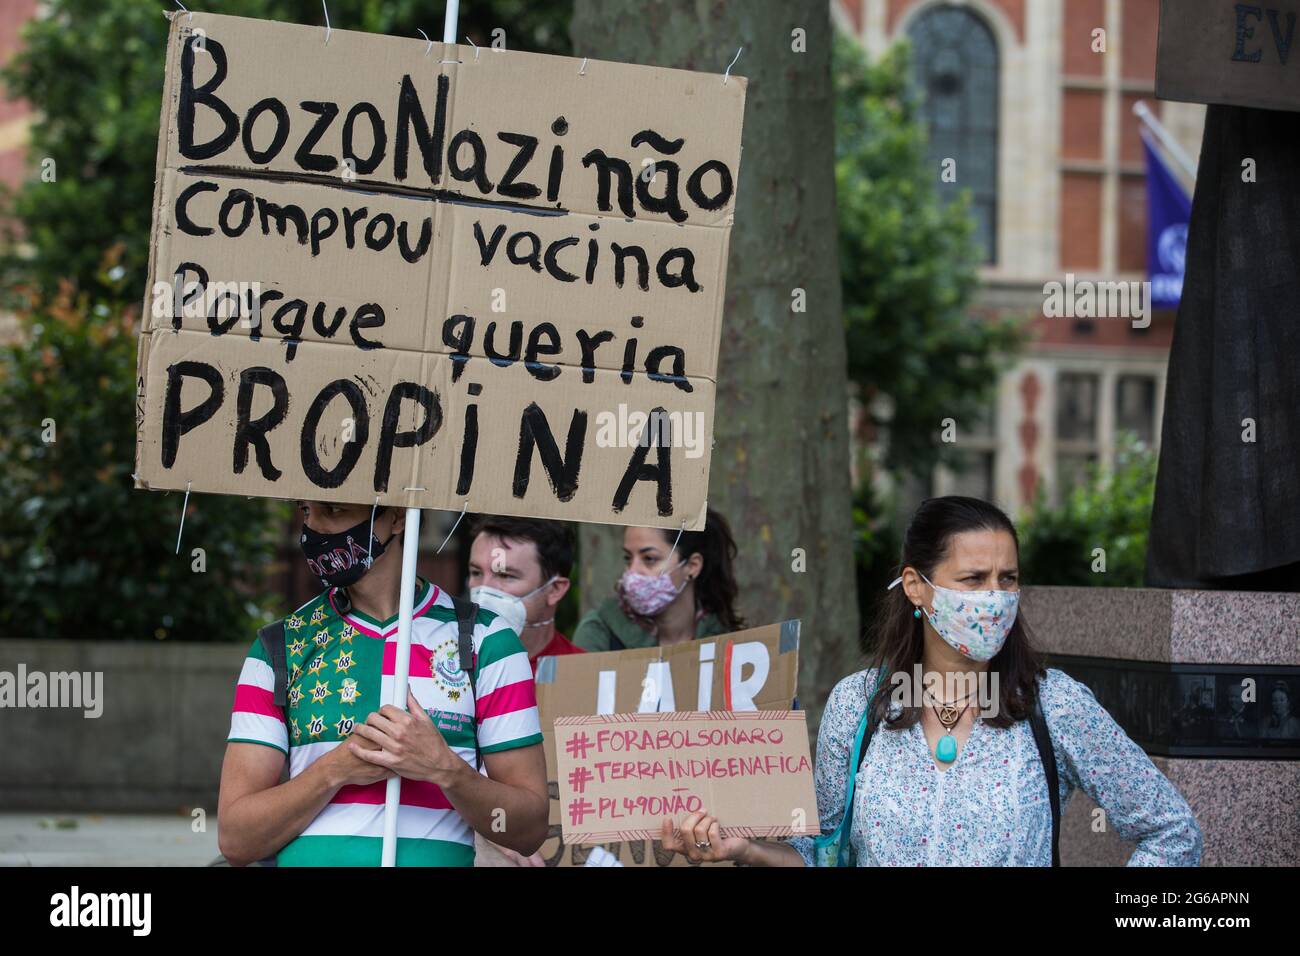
1236,54
621,775
754,669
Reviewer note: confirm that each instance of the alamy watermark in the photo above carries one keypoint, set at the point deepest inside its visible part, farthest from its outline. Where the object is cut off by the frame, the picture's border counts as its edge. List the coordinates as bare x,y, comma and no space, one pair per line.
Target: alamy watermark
658,428
977,689
1093,299
75,689
75,908
202,299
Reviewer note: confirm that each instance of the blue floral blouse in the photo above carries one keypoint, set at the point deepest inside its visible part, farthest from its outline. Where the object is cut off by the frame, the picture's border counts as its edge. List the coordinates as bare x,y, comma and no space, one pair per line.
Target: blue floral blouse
990,807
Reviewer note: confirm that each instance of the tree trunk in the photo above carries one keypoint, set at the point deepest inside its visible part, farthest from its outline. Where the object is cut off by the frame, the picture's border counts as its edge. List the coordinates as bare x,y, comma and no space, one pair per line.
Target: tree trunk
780,471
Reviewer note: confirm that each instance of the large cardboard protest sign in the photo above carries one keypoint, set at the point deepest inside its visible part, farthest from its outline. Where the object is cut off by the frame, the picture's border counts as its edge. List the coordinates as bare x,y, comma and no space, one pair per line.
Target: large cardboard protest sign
1238,54
435,276
622,775
751,670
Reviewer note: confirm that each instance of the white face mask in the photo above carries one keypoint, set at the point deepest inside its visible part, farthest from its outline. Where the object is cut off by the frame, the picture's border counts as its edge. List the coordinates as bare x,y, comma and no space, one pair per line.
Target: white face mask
509,607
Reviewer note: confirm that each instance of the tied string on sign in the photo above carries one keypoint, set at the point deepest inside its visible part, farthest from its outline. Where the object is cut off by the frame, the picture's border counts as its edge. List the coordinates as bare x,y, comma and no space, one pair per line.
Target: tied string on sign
370,538
185,9
429,49
582,70
459,519
726,75
328,31
184,507
655,624
673,548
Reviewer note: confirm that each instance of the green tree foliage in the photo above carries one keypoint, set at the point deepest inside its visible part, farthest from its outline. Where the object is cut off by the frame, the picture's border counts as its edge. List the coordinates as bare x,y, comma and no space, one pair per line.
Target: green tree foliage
93,69
1111,511
909,268
84,554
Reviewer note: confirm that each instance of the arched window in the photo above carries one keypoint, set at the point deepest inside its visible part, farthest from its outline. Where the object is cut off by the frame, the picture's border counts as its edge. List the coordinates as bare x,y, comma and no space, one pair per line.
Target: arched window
955,65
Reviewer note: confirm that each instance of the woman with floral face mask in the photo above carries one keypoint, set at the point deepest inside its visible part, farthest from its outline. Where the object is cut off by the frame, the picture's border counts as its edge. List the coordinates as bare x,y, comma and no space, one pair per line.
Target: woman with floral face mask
939,753
674,588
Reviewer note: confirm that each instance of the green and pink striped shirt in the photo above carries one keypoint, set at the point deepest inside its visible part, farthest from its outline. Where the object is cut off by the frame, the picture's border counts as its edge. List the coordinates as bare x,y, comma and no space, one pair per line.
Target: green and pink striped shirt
340,670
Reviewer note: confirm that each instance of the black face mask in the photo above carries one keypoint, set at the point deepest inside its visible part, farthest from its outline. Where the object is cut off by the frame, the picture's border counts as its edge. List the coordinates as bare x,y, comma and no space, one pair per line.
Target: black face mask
339,559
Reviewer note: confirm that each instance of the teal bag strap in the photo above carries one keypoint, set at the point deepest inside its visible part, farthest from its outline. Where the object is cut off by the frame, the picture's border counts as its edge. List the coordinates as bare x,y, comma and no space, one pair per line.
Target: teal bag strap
831,849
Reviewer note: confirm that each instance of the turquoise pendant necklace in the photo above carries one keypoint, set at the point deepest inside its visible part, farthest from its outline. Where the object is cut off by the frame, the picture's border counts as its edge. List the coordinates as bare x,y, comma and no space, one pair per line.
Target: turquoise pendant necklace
945,750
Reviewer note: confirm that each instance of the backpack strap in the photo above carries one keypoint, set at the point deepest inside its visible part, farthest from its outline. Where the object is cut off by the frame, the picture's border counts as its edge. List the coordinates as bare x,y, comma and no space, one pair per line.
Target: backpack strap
272,638
1048,756
866,738
857,753
466,615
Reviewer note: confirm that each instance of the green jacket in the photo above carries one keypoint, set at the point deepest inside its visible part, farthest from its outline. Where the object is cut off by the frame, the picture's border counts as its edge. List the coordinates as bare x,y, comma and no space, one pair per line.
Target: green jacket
596,631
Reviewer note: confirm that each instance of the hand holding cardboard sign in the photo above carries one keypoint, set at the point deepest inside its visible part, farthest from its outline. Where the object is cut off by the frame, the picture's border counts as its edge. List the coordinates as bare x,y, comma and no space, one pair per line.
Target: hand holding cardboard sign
700,839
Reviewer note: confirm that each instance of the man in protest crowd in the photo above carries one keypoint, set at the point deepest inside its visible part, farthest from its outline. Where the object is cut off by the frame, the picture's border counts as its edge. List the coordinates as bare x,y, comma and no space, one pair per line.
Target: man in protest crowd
336,657
519,568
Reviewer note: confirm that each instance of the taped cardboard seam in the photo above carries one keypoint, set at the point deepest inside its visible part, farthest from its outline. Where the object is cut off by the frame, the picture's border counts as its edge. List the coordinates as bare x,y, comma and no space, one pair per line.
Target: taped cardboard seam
789,636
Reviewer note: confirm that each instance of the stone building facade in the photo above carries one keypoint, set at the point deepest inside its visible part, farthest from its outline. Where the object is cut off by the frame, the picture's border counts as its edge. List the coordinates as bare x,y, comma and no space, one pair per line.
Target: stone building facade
1034,99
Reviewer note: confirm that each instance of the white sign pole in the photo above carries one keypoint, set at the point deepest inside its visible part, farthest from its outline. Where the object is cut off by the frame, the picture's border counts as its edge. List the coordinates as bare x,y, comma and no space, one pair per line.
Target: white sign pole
406,607
401,670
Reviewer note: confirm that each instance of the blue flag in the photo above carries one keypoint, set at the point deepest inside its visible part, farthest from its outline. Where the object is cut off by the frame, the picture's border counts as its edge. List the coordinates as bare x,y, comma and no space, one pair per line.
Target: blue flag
1169,209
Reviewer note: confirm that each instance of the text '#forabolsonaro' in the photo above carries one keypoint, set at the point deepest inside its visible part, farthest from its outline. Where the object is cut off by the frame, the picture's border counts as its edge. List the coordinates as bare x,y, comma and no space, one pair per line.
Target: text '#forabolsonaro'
621,741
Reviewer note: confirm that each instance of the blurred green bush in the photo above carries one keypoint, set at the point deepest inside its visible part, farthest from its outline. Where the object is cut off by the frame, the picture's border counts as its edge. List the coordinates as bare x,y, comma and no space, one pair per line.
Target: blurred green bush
83,554
1111,510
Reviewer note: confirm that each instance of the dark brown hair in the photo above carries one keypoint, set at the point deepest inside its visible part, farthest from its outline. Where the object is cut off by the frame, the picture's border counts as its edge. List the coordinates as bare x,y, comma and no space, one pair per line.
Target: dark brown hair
554,539
899,636
715,588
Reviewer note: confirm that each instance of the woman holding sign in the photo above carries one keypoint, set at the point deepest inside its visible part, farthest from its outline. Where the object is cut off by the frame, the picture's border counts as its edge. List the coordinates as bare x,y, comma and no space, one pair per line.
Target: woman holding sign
676,587
943,748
